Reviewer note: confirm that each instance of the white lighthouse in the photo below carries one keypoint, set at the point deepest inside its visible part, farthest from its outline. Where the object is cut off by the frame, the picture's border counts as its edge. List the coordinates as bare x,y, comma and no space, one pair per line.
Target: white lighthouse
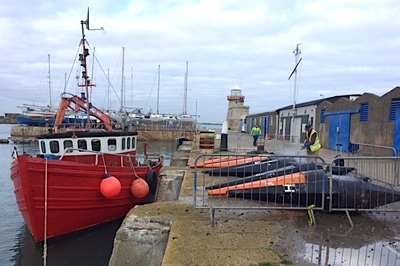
236,108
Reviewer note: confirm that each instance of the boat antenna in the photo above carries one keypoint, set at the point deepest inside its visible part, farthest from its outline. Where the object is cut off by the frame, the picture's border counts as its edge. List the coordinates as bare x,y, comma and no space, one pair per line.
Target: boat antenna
86,22
296,53
83,59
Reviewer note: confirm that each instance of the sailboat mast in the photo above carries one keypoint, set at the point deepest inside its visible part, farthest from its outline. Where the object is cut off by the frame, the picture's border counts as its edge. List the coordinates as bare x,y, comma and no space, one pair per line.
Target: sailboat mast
131,86
51,104
158,91
185,92
108,89
122,81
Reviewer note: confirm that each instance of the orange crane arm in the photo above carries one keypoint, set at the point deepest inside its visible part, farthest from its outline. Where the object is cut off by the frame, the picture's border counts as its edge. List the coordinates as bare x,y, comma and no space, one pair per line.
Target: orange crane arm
80,104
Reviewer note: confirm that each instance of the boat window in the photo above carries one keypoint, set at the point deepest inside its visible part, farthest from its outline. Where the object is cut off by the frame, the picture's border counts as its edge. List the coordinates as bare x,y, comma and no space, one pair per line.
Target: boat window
68,144
134,143
82,144
112,144
123,143
43,146
96,145
128,143
54,146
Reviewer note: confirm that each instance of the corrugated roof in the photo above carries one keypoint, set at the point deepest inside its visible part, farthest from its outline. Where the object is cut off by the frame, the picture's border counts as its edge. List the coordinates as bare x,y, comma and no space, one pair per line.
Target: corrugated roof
317,102
332,99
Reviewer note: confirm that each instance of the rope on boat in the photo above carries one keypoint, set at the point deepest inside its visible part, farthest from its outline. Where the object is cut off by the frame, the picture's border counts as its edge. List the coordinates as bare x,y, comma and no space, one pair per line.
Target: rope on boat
131,165
104,163
45,217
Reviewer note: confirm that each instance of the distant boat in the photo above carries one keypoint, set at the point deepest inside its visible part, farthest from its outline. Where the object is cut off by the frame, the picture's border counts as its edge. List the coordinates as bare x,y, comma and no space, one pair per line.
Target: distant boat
169,117
185,118
82,176
156,117
38,114
37,121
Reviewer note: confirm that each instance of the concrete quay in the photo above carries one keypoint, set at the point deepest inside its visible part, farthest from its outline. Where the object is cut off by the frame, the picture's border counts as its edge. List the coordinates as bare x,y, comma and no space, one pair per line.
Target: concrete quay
171,232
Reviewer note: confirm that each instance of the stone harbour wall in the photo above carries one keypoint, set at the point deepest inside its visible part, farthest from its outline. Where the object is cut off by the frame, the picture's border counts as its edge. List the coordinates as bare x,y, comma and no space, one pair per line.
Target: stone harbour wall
26,134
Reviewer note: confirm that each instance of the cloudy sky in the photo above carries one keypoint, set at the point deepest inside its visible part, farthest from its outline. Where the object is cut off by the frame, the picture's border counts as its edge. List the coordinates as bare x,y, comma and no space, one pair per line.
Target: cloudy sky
348,46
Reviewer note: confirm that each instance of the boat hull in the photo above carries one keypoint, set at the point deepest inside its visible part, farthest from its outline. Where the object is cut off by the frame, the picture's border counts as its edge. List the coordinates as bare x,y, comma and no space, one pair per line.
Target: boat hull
287,169
37,121
267,166
252,168
64,196
348,192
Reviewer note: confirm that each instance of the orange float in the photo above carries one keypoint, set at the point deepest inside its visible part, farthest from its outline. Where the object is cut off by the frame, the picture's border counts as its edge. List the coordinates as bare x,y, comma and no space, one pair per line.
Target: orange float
110,186
140,188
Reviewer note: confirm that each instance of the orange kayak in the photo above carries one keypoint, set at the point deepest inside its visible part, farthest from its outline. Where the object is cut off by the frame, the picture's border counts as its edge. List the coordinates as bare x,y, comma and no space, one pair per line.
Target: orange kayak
296,178
201,163
236,161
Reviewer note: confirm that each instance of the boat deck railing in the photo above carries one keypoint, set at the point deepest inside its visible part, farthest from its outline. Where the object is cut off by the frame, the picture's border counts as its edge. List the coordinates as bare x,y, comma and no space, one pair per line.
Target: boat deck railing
349,184
122,159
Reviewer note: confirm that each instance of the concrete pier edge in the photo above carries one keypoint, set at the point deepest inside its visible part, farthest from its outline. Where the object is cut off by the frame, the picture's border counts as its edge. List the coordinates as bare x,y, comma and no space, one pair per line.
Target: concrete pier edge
172,232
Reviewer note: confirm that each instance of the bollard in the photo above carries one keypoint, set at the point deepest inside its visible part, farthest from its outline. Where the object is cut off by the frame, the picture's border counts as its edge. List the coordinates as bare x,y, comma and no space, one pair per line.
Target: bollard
224,137
260,147
224,142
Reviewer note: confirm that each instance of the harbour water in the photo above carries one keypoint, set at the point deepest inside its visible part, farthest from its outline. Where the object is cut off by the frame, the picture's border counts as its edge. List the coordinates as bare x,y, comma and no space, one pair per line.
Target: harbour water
90,247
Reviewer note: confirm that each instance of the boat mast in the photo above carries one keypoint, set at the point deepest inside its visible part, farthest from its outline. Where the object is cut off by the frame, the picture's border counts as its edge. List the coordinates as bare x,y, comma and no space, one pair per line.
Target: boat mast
185,92
92,73
51,104
122,81
83,59
131,86
108,89
158,91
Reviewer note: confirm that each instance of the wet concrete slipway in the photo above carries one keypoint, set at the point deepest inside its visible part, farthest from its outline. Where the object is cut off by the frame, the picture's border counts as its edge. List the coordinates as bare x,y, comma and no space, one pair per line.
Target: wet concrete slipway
172,232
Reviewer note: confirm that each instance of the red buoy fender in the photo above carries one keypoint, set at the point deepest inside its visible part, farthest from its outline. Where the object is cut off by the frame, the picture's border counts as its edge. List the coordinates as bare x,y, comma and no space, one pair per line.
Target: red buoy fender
110,186
139,188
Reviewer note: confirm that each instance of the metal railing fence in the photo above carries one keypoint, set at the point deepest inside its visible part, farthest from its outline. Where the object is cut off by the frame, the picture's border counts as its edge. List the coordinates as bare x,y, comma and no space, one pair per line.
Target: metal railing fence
269,181
363,149
373,185
264,182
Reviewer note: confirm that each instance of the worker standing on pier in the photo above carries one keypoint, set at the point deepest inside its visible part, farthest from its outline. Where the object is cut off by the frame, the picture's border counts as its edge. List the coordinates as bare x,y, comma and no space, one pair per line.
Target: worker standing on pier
311,142
255,132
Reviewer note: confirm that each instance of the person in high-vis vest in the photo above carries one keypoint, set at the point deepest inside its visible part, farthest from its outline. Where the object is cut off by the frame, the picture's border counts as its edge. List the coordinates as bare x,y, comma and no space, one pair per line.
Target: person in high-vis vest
255,132
311,142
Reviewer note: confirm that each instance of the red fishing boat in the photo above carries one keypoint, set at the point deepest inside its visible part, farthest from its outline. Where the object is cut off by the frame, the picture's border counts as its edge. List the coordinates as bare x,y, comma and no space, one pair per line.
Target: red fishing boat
82,177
